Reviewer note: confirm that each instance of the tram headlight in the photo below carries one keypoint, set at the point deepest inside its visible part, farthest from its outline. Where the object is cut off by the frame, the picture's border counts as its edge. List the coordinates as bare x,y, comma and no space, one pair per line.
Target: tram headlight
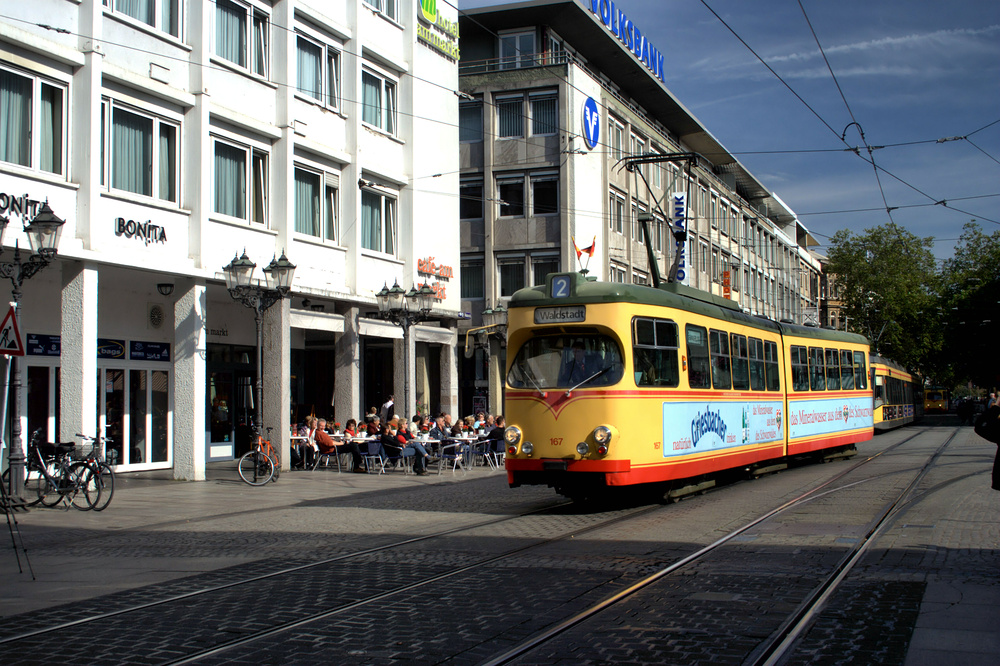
527,448
602,435
512,435
582,448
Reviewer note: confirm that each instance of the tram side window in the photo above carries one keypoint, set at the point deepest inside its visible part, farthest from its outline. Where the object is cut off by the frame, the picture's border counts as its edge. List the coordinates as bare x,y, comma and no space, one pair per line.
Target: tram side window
741,369
699,375
817,370
654,352
756,364
846,371
771,371
800,368
879,395
721,364
860,371
832,370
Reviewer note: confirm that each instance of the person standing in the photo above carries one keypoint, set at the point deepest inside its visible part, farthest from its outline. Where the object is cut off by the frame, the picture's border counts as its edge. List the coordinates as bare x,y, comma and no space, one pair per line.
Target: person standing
387,408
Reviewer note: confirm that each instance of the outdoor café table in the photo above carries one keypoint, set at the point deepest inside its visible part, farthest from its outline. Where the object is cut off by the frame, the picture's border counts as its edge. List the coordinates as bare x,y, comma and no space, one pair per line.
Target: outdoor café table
298,443
467,449
457,452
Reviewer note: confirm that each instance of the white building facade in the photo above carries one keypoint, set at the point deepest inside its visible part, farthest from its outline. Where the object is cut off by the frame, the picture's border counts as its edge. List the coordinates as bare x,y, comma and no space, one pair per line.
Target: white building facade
172,135
558,93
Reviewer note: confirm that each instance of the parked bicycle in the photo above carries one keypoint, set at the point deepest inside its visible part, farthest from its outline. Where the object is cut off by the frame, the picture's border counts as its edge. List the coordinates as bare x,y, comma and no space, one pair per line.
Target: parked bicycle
261,463
52,475
102,468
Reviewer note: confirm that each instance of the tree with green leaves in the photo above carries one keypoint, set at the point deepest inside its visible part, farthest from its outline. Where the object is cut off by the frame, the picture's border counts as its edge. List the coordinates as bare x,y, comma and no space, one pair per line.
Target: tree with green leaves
889,287
970,305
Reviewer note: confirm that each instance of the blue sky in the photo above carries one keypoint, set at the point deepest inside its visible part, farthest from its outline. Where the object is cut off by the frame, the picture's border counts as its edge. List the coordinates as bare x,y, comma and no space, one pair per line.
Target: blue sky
911,71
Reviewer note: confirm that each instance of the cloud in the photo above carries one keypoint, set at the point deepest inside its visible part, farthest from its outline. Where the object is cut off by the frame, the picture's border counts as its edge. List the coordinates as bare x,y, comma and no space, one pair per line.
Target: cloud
948,38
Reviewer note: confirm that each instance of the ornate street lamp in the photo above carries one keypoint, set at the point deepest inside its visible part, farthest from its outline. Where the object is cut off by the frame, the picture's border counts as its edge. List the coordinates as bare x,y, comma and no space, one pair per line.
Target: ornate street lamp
239,281
43,233
405,309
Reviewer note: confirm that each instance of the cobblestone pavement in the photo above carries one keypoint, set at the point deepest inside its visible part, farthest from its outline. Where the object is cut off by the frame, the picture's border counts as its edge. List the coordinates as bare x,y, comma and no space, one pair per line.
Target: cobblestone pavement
160,539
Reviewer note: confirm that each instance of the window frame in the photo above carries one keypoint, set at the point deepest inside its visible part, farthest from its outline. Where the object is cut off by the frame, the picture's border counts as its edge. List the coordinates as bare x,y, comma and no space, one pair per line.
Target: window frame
505,289
389,9
699,358
466,106
330,90
464,198
329,181
253,13
388,104
388,222
473,266
520,58
653,351
178,15
253,185
38,85
109,105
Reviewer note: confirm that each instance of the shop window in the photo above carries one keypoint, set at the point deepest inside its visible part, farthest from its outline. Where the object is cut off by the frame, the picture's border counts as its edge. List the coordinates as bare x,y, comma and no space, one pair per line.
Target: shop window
242,35
316,201
378,101
240,182
163,15
470,122
378,222
318,71
34,122
142,153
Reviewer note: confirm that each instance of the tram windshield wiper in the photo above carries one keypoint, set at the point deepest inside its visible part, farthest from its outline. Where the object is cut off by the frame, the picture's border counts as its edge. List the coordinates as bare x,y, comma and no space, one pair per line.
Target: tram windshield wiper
527,374
588,379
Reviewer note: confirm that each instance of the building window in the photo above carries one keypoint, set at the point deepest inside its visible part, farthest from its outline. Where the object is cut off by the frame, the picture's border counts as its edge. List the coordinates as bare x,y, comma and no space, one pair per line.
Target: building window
637,210
473,278
470,205
716,270
378,222
378,101
142,153
318,71
511,270
703,258
617,273
163,15
544,194
544,113
541,266
240,182
241,35
470,121
32,122
510,189
510,117
617,209
316,203
616,137
517,49
389,8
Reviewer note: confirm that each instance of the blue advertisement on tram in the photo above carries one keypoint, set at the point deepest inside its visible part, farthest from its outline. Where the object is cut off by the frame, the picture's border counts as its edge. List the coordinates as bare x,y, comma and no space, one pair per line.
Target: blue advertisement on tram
697,427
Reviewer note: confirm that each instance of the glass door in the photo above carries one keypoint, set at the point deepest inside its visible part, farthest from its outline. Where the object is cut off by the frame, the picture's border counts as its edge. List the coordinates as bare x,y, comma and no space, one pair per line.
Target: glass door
133,411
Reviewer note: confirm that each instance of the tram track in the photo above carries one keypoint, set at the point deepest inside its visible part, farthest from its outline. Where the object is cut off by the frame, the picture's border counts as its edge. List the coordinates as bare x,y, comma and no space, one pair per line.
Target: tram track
776,646
221,646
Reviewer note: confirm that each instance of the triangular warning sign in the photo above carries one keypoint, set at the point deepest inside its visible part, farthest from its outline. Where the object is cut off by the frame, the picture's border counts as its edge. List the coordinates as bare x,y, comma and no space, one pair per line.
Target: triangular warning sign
10,335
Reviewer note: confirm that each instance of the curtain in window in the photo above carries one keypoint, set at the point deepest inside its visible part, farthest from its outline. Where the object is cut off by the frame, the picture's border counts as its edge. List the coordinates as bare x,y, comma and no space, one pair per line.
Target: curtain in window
307,212
51,129
132,153
230,180
230,32
390,226
259,180
473,281
371,220
137,9
371,99
390,108
15,118
511,277
333,78
169,19
168,166
470,122
543,116
310,69
331,213
511,117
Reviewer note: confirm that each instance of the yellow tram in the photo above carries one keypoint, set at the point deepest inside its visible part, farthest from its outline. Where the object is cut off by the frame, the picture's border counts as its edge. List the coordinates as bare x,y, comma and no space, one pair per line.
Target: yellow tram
611,384
897,395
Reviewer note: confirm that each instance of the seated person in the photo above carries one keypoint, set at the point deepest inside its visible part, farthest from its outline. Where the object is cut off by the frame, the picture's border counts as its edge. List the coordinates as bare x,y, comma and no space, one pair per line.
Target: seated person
328,446
495,440
439,430
420,453
580,366
374,426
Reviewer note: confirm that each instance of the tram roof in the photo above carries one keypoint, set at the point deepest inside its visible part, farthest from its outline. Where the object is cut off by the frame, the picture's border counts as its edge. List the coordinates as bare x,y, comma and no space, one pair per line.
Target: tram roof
584,290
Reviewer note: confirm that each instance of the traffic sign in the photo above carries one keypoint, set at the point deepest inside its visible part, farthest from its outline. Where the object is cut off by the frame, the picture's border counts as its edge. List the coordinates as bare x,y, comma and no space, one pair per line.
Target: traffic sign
10,335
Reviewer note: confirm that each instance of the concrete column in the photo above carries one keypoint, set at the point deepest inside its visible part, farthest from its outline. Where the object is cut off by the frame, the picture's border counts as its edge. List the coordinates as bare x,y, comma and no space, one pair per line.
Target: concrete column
189,380
403,362
277,374
347,394
78,356
495,370
449,379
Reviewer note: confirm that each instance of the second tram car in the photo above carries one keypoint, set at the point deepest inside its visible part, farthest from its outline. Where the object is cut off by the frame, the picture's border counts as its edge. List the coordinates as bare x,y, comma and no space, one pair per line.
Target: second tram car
936,400
611,384
897,395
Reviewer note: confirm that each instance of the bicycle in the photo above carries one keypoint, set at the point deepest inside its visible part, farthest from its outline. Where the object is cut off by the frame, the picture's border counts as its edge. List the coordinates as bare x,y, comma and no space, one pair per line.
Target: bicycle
53,476
261,463
105,471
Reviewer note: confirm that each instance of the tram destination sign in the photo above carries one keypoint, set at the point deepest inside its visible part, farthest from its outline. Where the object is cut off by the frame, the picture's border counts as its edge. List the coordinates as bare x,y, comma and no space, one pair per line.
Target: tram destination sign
561,315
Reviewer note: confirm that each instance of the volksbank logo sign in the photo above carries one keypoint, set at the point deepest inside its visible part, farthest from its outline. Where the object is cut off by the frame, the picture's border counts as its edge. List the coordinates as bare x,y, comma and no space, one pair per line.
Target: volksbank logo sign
430,10
628,34
591,123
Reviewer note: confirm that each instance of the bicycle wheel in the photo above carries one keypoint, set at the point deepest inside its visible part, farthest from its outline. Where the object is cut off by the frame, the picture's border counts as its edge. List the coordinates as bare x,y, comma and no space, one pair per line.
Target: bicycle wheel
31,481
106,479
87,486
256,468
276,464
51,483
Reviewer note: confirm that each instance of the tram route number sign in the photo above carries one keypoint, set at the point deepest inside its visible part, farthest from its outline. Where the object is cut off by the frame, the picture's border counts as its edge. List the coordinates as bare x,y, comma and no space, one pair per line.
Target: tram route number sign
561,315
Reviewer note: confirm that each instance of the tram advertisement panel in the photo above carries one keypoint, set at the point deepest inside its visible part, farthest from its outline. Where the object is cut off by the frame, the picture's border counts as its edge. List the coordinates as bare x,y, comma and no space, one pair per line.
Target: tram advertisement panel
807,418
696,427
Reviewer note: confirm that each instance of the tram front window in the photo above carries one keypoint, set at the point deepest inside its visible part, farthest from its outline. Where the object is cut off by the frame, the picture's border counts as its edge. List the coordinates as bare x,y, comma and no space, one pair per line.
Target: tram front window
566,361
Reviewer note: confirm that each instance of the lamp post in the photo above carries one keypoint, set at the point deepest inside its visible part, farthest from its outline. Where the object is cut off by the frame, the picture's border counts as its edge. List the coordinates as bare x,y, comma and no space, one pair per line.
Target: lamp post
405,309
43,237
252,294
